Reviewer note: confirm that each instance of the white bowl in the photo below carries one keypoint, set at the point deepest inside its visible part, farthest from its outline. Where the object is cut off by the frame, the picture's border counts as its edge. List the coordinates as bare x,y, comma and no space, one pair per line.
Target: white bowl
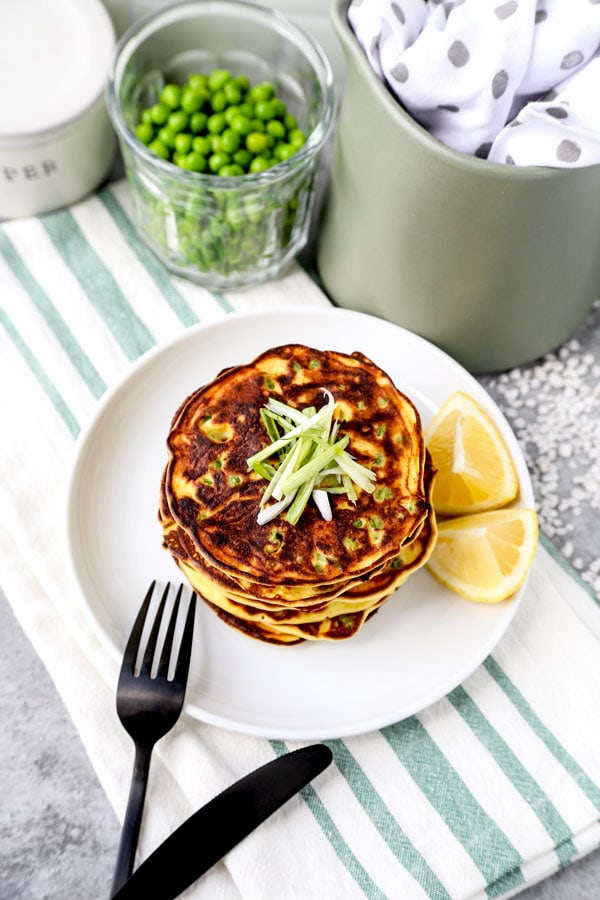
56,140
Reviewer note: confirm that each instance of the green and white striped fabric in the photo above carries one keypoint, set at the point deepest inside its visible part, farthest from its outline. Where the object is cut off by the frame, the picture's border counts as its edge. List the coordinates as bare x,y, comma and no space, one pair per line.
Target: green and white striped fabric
491,789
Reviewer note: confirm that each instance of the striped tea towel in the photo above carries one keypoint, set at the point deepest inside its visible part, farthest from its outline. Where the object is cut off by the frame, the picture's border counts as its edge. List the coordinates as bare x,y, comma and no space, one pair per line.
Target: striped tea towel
490,789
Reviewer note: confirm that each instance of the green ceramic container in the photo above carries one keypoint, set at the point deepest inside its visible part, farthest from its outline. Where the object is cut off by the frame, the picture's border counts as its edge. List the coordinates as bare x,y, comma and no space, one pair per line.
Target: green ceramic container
495,264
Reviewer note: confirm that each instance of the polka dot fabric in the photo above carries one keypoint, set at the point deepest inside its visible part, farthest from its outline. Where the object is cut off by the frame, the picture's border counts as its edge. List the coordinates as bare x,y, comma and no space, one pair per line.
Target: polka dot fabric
512,81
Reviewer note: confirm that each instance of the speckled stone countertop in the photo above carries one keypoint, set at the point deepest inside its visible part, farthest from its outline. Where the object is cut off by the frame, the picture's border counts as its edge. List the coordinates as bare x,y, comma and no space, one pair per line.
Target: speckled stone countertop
553,406
58,834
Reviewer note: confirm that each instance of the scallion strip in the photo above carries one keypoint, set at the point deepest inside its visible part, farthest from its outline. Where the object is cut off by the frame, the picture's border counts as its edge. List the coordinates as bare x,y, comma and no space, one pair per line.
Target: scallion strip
313,466
313,461
301,498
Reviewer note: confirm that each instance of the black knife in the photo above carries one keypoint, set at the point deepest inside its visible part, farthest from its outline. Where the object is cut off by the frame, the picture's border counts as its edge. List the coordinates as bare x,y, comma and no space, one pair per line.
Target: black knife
210,833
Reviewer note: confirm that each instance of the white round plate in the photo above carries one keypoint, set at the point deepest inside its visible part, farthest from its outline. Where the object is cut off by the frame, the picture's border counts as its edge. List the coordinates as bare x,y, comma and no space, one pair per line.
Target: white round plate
421,644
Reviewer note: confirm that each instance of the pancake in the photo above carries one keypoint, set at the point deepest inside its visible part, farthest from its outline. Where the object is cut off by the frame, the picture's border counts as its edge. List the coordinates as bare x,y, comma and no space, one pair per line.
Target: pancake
182,547
211,494
362,596
318,579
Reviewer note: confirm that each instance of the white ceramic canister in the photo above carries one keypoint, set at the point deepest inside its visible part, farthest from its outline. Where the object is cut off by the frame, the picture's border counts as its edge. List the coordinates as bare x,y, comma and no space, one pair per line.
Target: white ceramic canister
56,140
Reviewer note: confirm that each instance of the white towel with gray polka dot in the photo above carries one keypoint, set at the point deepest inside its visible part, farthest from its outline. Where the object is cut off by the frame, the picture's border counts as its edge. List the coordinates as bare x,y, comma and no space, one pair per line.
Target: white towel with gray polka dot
471,70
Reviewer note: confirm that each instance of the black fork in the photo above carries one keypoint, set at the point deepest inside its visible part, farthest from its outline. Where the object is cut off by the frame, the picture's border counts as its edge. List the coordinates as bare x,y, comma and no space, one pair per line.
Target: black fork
148,706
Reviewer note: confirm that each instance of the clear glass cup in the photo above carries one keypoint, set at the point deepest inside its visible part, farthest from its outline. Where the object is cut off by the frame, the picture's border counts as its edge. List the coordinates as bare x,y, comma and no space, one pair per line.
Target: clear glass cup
222,232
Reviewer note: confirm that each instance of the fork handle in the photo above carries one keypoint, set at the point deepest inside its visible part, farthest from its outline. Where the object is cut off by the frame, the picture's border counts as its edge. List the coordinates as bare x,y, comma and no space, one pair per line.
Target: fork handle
133,818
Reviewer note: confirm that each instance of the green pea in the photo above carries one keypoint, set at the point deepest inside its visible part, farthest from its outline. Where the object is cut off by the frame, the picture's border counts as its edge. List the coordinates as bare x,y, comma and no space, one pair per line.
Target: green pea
243,82
159,113
191,100
158,148
264,110
146,116
257,125
167,137
276,129
201,144
262,91
196,162
296,137
233,93
198,122
183,142
283,151
230,112
218,101
259,164
231,169
230,141
254,210
216,123
171,96
279,107
178,121
215,142
144,132
218,160
217,78
290,121
241,124
198,80
243,157
247,109
256,142
235,217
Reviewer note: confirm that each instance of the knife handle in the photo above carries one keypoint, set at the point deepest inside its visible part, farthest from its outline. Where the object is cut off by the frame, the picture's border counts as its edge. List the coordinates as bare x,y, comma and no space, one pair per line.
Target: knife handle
208,834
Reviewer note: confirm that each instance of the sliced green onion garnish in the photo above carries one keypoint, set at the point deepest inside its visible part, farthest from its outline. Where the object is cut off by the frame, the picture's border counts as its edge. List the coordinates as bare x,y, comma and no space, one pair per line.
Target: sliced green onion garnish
321,498
270,424
306,458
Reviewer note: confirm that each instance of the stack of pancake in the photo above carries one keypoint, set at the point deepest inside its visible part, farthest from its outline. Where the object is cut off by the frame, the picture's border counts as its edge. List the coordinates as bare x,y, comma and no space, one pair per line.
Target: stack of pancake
317,579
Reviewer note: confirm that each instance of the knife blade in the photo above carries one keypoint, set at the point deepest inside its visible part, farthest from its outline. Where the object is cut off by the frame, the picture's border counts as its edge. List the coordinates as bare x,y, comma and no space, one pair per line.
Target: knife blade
208,834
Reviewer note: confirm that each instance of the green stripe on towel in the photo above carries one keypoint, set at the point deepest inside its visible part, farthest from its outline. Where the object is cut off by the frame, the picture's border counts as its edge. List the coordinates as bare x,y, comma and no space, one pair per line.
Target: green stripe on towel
46,384
52,317
589,788
332,833
509,882
155,269
517,774
386,824
101,288
568,568
486,843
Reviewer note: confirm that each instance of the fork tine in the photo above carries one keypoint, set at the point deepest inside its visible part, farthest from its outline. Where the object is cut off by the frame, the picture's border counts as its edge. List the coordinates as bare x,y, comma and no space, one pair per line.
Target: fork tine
165,656
146,664
131,650
185,650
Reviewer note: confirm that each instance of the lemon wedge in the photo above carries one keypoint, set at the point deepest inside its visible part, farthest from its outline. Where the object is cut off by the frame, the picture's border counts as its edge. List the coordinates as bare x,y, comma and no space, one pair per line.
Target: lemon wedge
485,557
475,471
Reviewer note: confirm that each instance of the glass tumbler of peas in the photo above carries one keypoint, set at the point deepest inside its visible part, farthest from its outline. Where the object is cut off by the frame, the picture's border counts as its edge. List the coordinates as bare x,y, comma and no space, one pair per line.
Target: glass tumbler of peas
222,108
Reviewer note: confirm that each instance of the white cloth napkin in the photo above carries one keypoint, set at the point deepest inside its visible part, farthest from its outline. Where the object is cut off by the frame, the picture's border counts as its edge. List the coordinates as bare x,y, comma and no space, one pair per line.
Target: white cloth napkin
490,789
470,70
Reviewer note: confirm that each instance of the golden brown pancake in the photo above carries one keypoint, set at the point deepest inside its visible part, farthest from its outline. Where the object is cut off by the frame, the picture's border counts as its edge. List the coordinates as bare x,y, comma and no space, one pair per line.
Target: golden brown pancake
317,579
212,495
